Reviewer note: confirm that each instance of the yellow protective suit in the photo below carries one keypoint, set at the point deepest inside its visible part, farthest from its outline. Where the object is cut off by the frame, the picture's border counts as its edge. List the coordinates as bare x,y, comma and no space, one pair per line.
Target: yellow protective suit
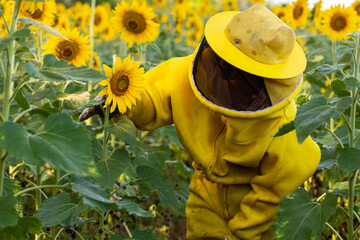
242,172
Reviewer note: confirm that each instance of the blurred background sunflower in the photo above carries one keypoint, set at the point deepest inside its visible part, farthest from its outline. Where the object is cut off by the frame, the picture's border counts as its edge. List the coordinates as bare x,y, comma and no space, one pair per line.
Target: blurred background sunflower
75,49
339,21
299,12
135,23
39,11
124,84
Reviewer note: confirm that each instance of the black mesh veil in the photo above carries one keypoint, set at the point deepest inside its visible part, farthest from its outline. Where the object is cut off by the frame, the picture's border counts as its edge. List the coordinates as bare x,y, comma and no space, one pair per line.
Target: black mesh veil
226,85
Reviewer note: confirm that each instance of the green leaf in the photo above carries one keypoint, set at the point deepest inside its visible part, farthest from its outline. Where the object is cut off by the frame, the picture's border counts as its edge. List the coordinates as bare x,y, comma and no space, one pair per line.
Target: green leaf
42,26
351,82
307,218
325,69
8,211
115,237
183,170
133,208
341,105
328,158
21,100
156,179
21,34
342,189
349,159
286,128
62,209
312,115
143,234
91,103
111,168
4,42
93,195
342,50
125,130
55,70
339,88
63,143
25,226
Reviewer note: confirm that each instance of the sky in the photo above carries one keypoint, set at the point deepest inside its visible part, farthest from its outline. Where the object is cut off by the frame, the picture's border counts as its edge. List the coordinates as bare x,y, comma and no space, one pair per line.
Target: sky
325,3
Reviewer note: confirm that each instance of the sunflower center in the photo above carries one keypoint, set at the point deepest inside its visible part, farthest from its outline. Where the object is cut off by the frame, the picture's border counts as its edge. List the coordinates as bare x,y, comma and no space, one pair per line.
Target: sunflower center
36,14
134,22
298,11
119,83
67,50
338,23
357,8
98,19
281,15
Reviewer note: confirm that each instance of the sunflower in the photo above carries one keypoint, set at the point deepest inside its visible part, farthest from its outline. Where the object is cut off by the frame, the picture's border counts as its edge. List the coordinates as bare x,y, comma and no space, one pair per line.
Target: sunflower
108,34
135,23
257,1
356,7
75,50
318,16
299,12
124,84
230,5
96,62
339,21
62,22
39,11
280,11
101,19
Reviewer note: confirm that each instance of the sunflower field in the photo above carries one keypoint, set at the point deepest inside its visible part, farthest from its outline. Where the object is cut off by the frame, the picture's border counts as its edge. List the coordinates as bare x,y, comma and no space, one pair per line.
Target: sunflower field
101,178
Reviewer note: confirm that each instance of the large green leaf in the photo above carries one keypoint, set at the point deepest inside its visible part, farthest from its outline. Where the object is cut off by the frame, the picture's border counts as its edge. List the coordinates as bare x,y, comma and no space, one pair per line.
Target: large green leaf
41,25
63,143
351,82
157,180
325,69
93,195
25,226
316,112
125,130
8,212
133,208
143,234
339,88
286,128
55,70
19,35
349,159
62,209
111,168
299,218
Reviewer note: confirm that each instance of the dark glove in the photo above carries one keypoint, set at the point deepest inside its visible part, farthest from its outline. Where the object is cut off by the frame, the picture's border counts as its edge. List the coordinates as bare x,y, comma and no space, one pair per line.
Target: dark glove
94,110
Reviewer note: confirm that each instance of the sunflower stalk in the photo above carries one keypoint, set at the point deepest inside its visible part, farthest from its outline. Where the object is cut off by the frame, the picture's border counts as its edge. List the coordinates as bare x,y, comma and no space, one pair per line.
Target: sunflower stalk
106,133
7,87
352,177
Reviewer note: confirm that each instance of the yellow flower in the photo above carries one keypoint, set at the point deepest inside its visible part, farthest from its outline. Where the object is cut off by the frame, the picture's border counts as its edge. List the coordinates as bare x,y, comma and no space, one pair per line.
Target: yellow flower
339,21
124,84
299,12
257,1
135,23
61,22
75,51
101,19
356,7
60,9
317,17
280,11
108,34
96,62
195,22
230,5
39,11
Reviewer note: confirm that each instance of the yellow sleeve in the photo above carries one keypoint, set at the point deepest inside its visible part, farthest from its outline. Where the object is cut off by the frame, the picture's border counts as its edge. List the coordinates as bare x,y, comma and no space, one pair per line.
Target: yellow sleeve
153,110
285,166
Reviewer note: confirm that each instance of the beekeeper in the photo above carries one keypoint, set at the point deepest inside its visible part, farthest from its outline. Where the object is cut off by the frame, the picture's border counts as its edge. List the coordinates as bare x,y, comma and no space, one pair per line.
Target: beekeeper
227,100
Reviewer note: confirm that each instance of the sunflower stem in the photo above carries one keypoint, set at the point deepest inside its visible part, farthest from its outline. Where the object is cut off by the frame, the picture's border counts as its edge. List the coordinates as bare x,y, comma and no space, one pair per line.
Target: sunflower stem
7,87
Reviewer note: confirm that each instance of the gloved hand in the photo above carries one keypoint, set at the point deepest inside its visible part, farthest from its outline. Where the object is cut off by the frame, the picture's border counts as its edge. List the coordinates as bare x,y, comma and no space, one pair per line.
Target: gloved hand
92,111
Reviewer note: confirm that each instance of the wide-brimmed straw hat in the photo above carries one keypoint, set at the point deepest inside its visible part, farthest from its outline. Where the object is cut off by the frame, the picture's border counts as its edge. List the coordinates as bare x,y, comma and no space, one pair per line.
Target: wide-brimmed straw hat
256,41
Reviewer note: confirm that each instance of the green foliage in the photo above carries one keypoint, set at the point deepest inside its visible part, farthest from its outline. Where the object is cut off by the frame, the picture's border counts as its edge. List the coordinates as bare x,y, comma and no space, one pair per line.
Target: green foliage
125,130
63,143
60,70
8,213
62,209
133,208
307,218
21,231
349,159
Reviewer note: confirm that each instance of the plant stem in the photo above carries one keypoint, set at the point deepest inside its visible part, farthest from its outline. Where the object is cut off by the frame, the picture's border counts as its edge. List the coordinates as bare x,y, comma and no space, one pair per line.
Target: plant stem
38,187
2,171
106,134
127,229
58,234
334,135
336,232
38,195
333,55
101,226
